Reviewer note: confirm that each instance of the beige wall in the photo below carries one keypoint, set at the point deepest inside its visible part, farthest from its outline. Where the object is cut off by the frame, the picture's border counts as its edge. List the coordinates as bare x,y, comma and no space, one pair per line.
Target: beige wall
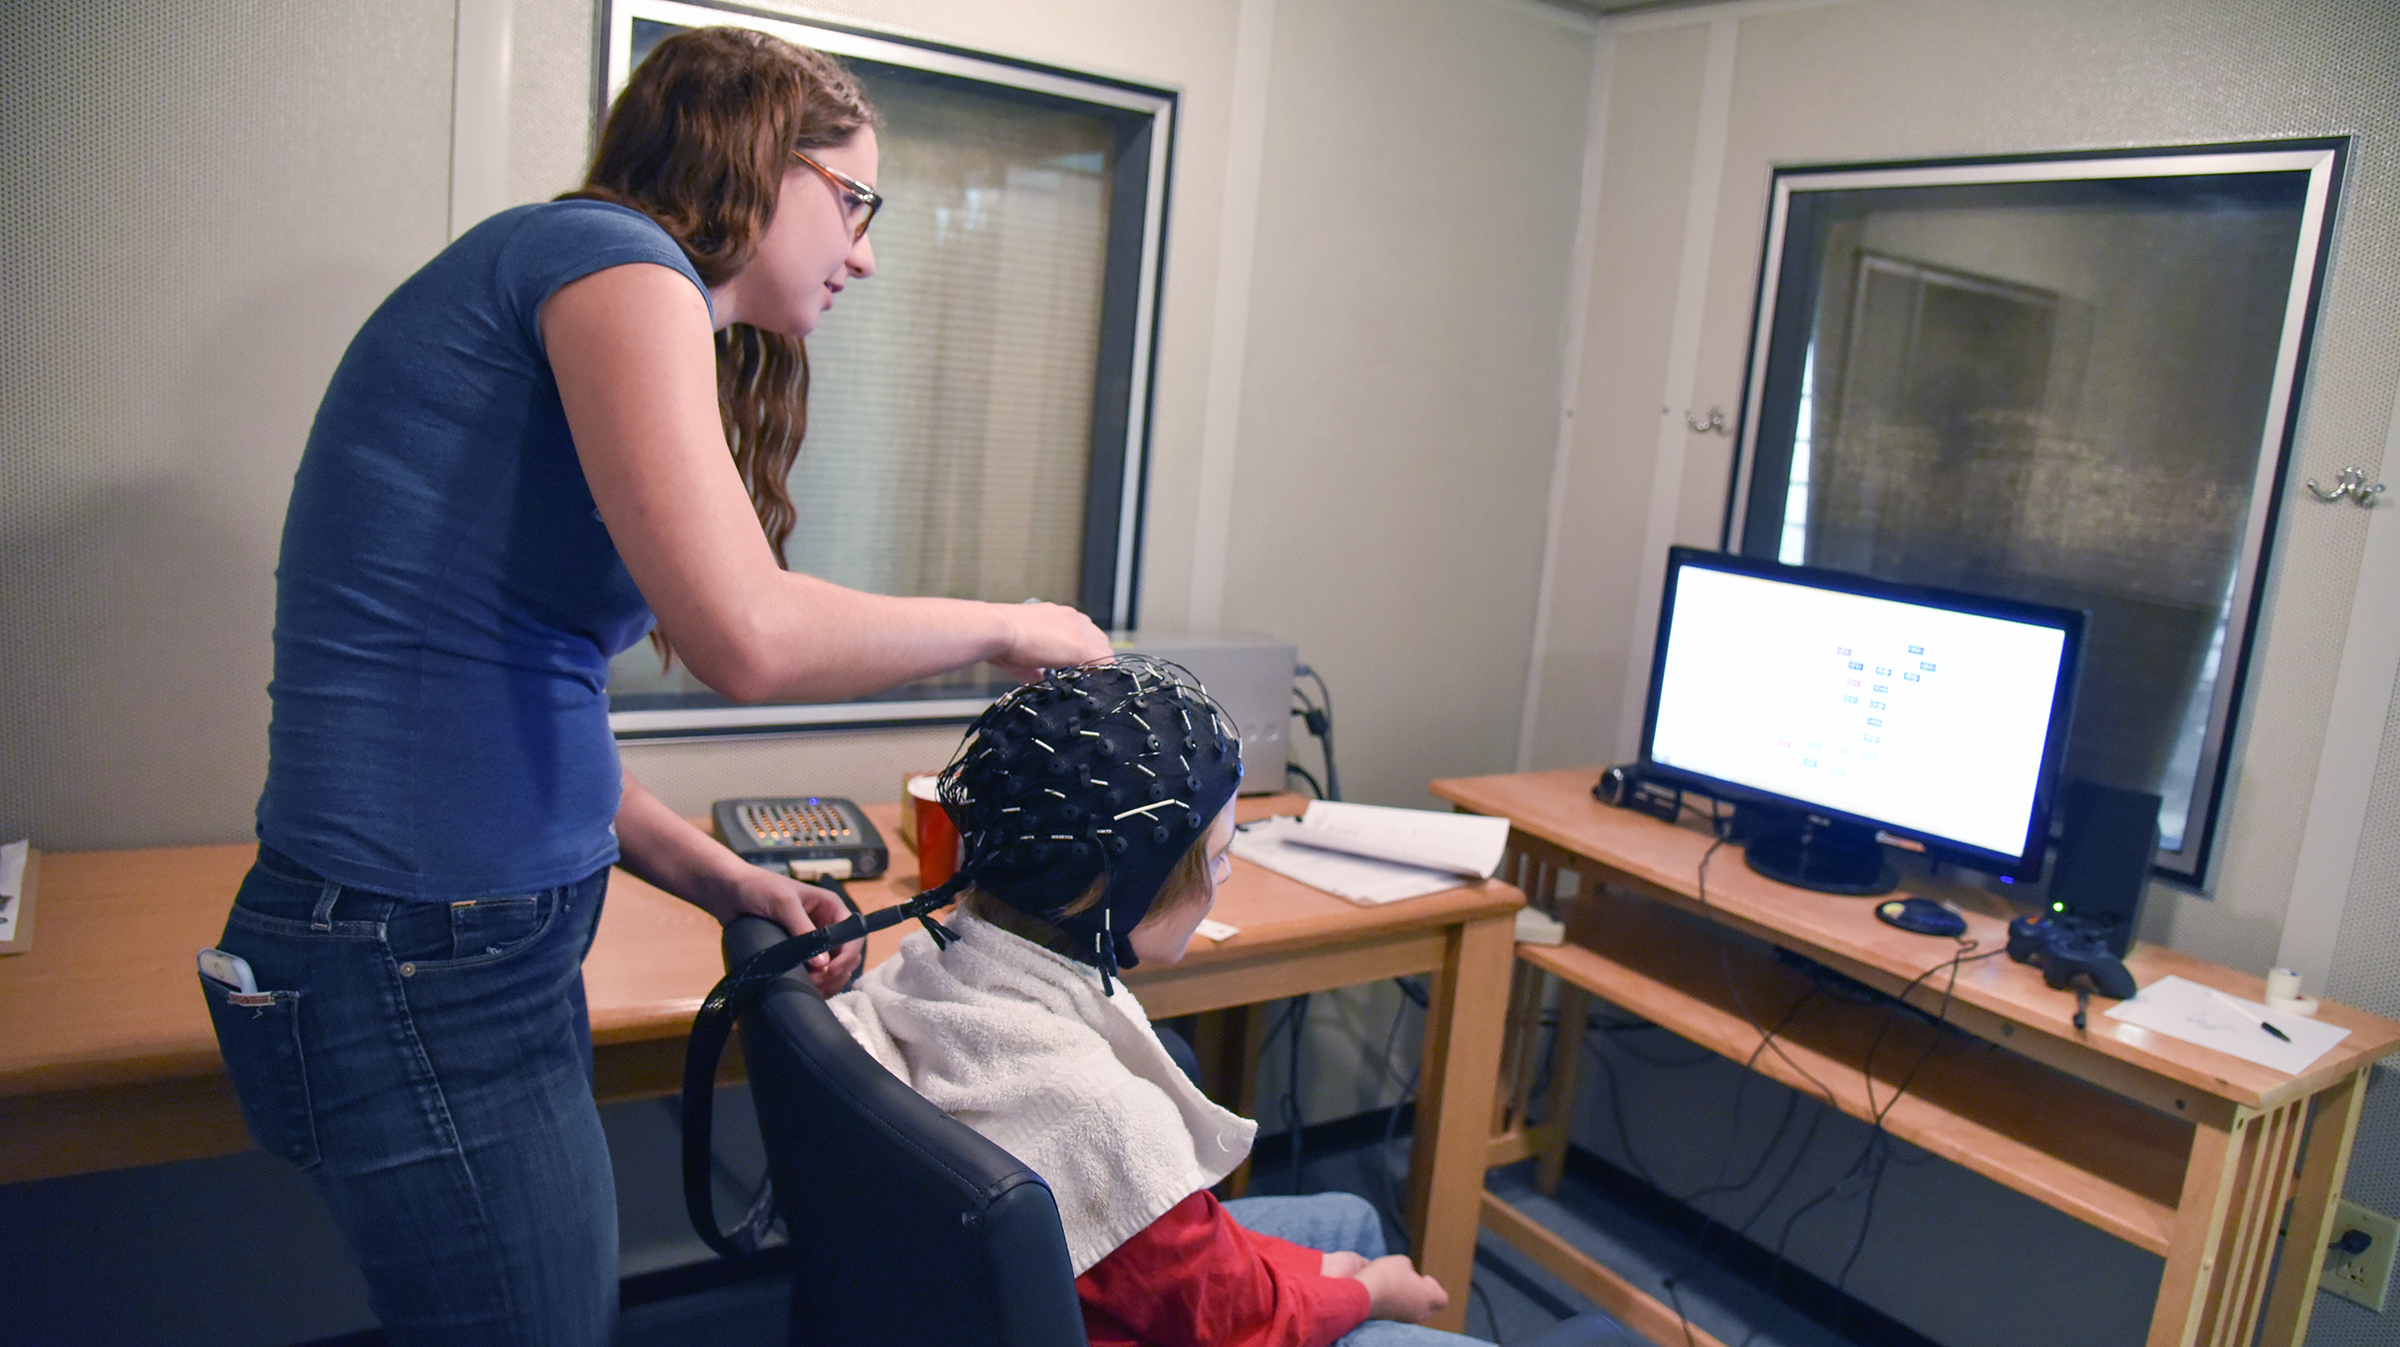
1400,388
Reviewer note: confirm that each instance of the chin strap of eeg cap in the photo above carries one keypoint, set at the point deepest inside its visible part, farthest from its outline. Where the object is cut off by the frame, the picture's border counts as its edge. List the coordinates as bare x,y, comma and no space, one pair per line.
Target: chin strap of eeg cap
724,1005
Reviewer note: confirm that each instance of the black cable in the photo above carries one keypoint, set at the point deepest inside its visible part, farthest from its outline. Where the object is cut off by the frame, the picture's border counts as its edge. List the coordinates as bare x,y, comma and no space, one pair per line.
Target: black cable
1550,1027
1391,1129
1941,1020
1698,1245
1391,1208
1295,769
722,1169
1767,1039
1875,1156
1616,1114
1880,1142
1295,1024
1676,1296
1710,1224
1318,716
1880,1139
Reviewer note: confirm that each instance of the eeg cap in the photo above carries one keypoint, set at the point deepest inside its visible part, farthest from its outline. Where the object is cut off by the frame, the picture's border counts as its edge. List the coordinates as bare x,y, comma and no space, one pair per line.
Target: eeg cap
1113,769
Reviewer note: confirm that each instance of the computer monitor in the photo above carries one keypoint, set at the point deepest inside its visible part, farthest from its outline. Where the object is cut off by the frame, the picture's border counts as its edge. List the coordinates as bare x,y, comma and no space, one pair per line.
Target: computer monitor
1840,712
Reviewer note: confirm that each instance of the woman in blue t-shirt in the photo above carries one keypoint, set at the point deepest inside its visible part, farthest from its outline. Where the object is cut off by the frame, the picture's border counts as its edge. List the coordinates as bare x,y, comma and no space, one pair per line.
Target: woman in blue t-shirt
521,462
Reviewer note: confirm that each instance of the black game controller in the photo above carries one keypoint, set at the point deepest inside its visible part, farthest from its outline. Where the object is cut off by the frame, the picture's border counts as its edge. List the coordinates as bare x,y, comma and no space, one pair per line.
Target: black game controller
2064,949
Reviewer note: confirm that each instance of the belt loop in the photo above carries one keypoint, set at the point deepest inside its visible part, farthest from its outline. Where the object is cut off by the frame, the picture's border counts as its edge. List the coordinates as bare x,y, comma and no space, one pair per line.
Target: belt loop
322,920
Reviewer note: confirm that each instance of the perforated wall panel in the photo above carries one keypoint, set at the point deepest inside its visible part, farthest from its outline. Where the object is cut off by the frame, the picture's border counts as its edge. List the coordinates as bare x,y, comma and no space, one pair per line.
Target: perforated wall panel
199,202
552,93
2366,973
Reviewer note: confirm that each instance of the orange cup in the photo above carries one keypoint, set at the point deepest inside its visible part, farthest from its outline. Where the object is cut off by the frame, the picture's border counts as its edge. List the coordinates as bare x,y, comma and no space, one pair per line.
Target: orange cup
937,840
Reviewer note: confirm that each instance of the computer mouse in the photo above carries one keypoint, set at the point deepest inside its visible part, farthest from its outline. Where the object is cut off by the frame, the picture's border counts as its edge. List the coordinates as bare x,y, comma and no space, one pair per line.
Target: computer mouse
1922,915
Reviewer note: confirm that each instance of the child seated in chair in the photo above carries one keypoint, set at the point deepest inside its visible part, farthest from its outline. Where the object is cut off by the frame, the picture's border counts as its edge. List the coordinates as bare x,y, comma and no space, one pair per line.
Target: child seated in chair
1095,807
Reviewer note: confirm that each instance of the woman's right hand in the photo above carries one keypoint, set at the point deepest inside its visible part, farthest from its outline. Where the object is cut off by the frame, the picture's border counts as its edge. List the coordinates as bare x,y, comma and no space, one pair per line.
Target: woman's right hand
1048,636
1396,1290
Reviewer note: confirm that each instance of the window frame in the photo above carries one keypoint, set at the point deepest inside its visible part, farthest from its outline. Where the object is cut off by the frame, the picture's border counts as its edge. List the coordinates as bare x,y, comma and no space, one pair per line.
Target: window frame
1125,369
1781,330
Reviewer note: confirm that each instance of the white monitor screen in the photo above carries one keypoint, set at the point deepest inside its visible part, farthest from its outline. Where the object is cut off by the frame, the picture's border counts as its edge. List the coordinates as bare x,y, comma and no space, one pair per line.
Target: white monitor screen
1920,718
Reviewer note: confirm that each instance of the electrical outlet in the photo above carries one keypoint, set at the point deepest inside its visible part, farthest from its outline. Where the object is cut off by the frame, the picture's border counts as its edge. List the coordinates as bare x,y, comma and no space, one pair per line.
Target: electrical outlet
2362,1277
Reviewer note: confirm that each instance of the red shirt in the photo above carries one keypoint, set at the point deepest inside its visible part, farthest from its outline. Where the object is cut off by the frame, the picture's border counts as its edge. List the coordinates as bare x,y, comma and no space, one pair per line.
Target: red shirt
1194,1278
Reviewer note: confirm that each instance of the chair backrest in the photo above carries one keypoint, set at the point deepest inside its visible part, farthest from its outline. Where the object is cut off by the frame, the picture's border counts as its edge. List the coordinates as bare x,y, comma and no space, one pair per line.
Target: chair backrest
906,1225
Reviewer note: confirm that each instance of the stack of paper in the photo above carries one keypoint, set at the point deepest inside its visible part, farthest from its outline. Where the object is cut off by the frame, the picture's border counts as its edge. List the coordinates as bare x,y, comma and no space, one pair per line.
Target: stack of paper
2180,1008
1373,854
1466,845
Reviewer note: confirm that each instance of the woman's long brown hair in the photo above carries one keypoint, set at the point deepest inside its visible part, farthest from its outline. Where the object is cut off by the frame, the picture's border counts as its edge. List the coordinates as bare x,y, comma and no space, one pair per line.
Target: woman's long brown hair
699,141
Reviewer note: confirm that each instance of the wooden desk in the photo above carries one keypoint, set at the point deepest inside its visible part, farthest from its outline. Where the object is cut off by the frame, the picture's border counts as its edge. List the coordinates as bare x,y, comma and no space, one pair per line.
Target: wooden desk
2185,1151
109,1060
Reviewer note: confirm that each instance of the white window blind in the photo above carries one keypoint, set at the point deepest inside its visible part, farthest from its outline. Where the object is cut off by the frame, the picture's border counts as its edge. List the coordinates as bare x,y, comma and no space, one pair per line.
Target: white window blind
960,402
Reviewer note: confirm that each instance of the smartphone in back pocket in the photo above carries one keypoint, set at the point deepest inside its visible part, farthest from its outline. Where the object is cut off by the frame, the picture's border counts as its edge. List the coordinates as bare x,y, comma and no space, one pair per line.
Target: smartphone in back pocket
230,971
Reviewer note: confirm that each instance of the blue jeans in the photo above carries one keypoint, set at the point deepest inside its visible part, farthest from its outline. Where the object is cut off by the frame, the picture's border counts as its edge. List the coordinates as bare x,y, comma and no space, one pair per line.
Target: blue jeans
429,1064
1339,1223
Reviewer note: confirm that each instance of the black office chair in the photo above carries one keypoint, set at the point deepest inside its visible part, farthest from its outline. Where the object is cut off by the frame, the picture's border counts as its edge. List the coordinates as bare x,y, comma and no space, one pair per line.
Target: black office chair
906,1225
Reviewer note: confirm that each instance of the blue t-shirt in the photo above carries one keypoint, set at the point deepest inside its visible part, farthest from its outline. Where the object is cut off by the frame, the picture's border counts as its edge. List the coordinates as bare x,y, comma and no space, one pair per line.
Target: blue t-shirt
448,599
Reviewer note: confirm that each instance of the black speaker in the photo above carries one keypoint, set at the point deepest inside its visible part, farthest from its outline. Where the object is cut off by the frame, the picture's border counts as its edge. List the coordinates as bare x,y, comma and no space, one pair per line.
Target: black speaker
2108,839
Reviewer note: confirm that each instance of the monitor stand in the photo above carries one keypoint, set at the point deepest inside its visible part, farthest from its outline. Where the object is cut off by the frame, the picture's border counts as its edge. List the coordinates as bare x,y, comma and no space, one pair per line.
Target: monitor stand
1807,853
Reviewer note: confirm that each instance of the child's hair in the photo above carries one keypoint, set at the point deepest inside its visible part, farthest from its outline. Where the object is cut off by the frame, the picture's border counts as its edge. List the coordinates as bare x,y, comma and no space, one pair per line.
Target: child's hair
1186,883
1083,799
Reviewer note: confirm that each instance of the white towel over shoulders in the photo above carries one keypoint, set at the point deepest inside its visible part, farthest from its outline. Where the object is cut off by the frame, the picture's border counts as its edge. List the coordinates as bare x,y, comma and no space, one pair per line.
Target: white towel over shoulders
1017,1042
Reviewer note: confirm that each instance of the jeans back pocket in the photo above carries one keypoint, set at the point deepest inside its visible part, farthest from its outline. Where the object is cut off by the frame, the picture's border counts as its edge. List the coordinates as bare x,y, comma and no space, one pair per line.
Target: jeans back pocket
259,1035
485,928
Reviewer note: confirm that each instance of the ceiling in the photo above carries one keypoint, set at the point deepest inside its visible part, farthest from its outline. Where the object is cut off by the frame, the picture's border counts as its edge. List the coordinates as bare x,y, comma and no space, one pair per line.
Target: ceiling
1623,6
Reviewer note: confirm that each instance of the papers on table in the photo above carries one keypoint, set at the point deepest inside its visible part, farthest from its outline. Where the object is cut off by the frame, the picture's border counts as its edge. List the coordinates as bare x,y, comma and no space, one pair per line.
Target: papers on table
1365,852
12,883
1269,843
1217,930
1465,845
2180,1008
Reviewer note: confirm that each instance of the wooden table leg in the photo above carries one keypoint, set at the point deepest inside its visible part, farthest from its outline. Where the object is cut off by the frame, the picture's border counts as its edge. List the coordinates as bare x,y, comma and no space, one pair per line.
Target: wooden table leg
2243,1263
1557,1127
2324,1160
2209,1178
1524,1036
1463,1029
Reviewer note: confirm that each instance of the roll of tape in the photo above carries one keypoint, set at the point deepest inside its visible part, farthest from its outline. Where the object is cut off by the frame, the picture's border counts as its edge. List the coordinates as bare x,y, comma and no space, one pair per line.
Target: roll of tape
2283,983
2296,1005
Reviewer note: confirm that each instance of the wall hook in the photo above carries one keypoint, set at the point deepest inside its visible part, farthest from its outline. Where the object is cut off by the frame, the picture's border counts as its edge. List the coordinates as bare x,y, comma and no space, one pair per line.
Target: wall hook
2351,483
1714,425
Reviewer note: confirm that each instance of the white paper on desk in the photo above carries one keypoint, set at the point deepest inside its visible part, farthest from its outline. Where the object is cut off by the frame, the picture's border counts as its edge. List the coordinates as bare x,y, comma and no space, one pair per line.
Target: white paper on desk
2180,1008
1268,843
1459,844
12,882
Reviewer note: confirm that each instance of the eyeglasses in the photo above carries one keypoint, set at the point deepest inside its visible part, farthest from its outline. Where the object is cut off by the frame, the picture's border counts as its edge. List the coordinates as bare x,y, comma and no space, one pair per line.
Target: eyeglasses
858,193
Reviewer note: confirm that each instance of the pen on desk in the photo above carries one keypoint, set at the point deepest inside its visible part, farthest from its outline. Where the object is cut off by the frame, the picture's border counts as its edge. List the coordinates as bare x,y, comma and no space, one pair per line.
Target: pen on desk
2247,1011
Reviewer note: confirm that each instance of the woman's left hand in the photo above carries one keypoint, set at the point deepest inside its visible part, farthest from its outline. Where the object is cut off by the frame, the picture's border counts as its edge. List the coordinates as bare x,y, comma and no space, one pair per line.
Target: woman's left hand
672,853
796,907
